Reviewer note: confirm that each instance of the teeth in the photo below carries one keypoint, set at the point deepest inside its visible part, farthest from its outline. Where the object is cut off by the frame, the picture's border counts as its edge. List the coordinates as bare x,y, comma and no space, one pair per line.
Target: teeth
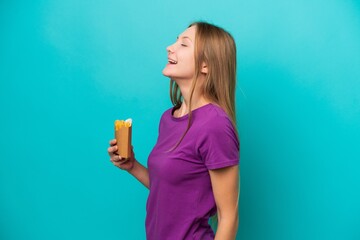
172,61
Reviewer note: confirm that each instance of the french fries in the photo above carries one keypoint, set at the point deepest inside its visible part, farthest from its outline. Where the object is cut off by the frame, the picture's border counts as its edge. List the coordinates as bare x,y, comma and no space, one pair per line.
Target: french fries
123,131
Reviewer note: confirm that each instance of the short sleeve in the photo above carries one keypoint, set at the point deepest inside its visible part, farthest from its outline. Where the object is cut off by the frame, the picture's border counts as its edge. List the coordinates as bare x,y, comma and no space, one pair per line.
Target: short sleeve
218,144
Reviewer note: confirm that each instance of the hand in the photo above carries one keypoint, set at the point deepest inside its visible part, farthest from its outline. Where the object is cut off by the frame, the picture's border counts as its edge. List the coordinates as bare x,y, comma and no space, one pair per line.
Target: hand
122,163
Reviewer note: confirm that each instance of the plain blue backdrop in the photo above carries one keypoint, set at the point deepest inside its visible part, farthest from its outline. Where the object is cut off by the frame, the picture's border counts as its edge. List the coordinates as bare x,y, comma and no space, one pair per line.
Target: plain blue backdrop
68,69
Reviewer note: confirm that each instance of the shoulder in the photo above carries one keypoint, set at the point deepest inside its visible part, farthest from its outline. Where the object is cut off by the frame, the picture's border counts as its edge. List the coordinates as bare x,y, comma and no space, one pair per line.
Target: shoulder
217,142
215,117
214,123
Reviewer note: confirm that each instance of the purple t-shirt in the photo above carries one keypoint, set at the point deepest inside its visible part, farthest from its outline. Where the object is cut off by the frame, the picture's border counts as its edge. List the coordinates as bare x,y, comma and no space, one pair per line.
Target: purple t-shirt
181,199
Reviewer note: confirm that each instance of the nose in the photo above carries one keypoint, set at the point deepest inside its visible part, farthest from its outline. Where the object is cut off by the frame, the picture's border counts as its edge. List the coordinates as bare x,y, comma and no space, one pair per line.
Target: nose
170,49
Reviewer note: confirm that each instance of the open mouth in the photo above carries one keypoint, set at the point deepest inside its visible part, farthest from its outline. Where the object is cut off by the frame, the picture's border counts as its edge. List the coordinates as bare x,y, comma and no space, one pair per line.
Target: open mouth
171,61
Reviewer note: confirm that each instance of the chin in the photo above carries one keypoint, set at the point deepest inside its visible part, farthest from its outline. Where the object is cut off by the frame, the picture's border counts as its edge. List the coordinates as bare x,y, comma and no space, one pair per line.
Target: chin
166,73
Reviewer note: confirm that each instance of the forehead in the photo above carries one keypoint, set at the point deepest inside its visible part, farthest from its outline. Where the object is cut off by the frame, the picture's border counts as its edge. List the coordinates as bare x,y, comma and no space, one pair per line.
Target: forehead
189,32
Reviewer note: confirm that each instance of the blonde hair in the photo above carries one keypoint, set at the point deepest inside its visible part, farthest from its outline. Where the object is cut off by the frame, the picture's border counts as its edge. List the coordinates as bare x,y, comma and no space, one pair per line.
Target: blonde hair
216,48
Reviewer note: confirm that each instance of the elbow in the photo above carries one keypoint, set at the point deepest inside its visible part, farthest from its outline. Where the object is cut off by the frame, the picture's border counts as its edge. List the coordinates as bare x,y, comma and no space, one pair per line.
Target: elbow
228,224
229,218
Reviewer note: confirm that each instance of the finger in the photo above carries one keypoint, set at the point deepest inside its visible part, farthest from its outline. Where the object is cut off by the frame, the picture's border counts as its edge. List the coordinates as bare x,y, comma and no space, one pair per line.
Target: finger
115,158
118,158
123,160
113,149
118,163
112,142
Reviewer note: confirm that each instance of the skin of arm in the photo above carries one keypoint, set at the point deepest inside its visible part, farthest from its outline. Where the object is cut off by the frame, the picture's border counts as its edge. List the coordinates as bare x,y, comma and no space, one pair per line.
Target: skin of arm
226,188
141,173
131,165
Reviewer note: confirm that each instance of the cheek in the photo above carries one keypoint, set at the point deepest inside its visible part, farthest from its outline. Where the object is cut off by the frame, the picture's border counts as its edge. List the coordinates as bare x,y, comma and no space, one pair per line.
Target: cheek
189,60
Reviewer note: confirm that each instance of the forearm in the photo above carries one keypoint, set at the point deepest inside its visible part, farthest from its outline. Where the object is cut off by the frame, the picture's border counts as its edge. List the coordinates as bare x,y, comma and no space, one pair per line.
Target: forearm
227,227
141,173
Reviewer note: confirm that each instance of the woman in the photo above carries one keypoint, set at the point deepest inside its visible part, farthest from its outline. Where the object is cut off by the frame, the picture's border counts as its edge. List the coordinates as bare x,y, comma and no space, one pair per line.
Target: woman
193,170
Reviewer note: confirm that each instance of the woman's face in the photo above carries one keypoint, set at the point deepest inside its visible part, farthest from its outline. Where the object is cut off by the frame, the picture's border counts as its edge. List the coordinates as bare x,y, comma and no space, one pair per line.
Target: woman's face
181,61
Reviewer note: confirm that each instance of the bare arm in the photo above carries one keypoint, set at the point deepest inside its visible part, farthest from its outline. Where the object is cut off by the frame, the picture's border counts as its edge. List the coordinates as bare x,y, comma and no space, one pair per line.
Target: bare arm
141,173
226,187
131,165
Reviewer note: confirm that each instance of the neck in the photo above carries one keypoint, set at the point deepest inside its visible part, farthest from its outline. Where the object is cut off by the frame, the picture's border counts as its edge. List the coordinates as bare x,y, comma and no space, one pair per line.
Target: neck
198,99
185,106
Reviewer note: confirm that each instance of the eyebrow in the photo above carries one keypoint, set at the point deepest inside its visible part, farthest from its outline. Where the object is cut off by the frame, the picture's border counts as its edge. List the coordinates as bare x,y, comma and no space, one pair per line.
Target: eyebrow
185,37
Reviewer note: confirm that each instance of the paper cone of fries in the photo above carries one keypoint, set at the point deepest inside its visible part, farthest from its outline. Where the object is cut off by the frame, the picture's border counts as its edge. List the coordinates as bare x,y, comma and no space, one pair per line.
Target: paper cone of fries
123,137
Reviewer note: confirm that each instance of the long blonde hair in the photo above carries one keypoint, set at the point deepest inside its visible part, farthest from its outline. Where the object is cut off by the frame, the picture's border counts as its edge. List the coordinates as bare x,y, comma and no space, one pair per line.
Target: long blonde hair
216,48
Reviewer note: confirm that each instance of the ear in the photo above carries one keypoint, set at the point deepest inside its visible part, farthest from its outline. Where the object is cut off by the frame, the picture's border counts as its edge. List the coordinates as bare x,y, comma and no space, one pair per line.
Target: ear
204,68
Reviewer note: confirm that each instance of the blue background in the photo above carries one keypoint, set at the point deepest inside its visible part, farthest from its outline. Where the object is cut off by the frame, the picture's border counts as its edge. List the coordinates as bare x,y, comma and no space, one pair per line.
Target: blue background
69,68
